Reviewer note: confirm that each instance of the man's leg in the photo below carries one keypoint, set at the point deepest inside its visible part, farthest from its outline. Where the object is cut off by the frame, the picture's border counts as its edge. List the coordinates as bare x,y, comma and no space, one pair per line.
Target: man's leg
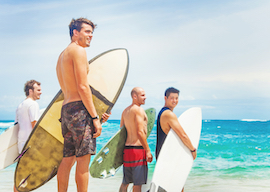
137,188
123,188
63,173
82,172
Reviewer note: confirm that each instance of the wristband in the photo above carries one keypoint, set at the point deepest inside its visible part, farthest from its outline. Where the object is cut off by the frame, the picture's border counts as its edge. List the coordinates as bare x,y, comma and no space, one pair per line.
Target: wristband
96,117
193,150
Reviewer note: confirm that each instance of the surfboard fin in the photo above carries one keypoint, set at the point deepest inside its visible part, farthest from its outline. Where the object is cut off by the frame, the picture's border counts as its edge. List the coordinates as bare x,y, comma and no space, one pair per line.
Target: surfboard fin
103,174
23,184
21,154
99,160
160,189
112,171
154,188
106,151
50,176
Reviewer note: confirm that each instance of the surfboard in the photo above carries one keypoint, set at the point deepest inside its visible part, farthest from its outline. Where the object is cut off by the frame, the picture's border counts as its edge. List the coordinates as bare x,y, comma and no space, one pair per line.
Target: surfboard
9,145
110,157
43,151
175,159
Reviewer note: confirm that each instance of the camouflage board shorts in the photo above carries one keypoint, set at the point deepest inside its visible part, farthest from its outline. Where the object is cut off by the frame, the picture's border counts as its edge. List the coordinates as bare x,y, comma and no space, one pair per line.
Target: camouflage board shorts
77,129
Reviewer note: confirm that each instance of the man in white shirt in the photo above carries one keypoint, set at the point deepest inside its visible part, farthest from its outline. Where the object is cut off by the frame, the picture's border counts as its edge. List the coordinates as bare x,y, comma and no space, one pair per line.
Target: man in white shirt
27,112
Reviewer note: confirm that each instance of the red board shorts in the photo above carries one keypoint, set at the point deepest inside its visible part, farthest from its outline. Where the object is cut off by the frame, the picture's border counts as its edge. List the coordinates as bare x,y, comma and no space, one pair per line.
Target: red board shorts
77,130
135,165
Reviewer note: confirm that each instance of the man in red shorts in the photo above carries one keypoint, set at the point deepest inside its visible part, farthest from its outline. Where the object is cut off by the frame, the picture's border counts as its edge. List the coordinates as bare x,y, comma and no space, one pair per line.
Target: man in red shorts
137,152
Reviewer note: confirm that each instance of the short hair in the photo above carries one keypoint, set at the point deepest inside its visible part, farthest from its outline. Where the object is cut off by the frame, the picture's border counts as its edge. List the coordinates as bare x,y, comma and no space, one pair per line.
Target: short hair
77,24
171,90
30,85
134,91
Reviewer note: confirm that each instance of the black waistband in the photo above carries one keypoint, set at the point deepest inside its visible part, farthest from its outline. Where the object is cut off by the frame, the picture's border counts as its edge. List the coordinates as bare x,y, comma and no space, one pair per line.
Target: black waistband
133,147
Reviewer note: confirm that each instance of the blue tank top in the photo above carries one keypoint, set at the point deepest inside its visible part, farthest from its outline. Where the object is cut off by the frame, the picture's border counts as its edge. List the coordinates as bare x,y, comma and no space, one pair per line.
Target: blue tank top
161,136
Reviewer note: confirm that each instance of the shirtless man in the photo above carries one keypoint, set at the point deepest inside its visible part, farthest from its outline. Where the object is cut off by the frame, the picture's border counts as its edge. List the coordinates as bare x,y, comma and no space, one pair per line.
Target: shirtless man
80,123
167,120
137,152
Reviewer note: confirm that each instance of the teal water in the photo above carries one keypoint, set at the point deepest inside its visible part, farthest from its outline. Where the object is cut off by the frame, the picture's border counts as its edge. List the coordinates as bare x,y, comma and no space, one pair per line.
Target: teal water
227,149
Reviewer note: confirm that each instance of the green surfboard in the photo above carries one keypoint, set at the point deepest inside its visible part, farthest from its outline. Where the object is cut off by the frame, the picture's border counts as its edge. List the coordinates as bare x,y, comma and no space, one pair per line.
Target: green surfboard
110,157
43,152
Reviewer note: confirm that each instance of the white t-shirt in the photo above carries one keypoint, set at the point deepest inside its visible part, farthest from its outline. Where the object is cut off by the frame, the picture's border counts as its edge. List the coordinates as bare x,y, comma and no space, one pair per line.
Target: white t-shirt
27,112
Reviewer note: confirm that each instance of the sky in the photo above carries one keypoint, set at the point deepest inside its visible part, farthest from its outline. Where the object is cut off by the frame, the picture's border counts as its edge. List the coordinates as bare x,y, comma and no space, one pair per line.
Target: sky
217,53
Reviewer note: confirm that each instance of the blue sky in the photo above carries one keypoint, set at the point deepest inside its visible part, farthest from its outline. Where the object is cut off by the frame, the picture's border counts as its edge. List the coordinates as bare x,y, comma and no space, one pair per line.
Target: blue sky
216,52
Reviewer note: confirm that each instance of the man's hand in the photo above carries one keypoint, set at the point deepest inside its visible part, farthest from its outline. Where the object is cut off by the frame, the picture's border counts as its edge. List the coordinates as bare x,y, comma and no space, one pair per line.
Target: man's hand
149,157
98,128
194,154
105,117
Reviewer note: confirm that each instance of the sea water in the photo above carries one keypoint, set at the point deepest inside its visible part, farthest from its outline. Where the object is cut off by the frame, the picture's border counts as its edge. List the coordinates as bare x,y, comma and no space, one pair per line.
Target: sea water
232,154
227,148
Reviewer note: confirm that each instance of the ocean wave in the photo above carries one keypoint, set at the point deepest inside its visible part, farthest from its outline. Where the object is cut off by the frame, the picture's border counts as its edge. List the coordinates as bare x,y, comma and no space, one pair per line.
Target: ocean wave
208,163
5,125
254,120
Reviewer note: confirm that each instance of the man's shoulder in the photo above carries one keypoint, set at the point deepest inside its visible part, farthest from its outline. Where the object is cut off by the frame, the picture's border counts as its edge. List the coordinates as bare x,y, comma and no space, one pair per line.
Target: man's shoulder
31,102
168,114
26,104
137,109
74,48
133,110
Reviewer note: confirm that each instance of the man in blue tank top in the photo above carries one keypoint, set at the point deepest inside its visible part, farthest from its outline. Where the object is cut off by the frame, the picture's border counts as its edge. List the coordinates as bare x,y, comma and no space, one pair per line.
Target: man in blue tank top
167,120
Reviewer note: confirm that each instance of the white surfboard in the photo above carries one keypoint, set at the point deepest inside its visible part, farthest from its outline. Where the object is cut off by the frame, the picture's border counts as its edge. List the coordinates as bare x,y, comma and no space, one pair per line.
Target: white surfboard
175,159
9,147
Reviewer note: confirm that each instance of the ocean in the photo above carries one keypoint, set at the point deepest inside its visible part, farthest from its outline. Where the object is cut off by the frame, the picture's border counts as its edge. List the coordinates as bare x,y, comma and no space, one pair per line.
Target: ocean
232,155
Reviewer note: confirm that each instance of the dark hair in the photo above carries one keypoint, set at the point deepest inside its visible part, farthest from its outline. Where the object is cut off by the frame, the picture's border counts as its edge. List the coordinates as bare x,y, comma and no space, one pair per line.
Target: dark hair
77,24
30,85
171,90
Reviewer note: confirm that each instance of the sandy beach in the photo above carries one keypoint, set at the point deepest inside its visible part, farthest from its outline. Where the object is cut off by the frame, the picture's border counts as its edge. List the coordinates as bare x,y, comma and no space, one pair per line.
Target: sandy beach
202,183
95,185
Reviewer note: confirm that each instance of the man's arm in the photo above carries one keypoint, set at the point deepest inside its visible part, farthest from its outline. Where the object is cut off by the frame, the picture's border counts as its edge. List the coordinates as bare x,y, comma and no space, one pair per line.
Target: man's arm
122,123
140,125
175,125
80,72
34,114
33,123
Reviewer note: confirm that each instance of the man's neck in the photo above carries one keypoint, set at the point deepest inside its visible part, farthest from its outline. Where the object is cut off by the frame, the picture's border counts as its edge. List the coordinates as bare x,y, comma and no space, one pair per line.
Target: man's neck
134,103
171,108
30,97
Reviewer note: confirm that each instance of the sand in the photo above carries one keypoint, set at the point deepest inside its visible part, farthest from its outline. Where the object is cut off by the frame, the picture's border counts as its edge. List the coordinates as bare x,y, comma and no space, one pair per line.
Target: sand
202,183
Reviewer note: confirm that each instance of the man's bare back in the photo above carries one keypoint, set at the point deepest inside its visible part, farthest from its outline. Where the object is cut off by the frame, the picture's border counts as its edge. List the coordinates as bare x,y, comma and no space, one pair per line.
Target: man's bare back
134,117
72,69
135,120
66,72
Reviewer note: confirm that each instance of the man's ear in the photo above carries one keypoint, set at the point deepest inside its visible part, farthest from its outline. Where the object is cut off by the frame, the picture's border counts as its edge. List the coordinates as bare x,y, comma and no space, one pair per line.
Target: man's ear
31,91
75,32
135,96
